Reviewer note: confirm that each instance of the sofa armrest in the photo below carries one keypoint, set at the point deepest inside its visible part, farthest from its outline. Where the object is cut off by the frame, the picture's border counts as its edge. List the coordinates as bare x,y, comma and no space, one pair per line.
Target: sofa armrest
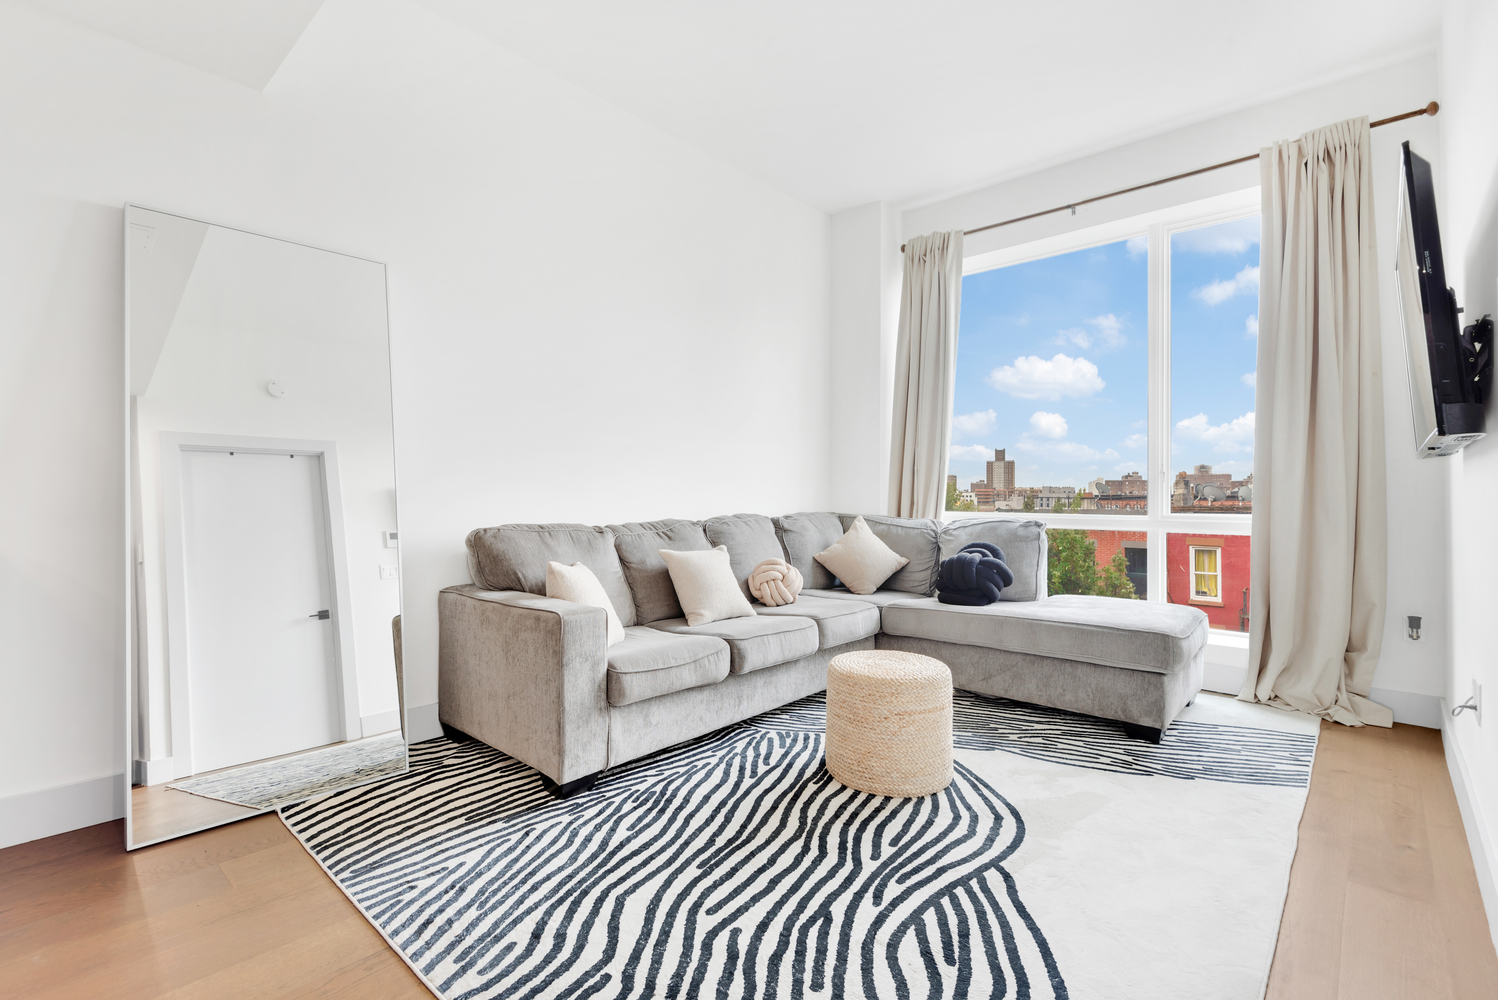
528,675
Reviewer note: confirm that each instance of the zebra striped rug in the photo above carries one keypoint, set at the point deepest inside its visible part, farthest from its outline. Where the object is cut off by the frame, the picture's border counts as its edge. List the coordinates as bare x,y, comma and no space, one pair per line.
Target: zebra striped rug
1064,861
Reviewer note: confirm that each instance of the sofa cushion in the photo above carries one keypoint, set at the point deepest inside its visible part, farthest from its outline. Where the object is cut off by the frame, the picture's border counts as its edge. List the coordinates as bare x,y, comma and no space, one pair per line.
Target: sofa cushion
750,540
837,621
754,643
913,538
514,557
639,546
648,663
879,598
1024,545
1111,631
803,536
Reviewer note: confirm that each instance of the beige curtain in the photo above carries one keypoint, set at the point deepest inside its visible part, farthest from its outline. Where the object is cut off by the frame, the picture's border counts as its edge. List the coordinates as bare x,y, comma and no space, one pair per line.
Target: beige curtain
1319,520
925,373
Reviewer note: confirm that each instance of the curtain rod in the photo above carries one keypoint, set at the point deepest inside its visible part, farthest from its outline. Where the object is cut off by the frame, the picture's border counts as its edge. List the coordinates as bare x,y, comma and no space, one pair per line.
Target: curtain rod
1429,109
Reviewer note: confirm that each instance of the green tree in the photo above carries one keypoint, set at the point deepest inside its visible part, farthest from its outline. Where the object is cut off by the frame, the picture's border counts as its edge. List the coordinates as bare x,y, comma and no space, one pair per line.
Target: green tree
955,501
1029,501
1072,561
1113,579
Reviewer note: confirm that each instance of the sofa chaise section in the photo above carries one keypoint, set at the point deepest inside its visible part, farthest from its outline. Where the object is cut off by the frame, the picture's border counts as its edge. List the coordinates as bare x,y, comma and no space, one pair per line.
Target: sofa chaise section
1138,662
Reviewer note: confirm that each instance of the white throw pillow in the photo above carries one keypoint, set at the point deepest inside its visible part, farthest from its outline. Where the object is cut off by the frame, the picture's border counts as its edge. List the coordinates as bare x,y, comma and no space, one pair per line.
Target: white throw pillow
705,585
576,583
860,559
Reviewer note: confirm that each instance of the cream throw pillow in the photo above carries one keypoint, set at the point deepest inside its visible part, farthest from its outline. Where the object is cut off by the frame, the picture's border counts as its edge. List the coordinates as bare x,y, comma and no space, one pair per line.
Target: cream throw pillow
860,559
705,585
576,583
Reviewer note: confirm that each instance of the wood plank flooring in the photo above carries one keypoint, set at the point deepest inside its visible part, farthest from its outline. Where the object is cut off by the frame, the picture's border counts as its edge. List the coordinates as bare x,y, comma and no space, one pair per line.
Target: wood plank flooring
1383,902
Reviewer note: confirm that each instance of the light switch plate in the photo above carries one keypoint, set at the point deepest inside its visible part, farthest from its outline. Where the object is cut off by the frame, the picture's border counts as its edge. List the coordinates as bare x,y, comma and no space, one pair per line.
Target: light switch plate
390,572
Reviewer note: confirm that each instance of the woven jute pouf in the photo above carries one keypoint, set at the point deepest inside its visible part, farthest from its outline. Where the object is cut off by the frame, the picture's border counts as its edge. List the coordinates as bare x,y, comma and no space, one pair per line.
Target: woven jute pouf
889,722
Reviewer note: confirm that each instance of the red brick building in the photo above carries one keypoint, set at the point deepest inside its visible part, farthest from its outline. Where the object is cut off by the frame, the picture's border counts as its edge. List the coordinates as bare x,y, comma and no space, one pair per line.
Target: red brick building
1209,572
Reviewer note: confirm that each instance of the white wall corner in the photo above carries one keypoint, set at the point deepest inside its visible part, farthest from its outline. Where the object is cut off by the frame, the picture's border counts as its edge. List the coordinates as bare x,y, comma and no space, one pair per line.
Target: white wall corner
50,811
1479,837
422,723
865,251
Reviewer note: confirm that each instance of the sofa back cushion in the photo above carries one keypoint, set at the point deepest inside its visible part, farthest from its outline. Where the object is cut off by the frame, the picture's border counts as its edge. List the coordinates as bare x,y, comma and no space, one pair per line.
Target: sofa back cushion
750,540
639,547
803,536
916,540
514,557
1024,545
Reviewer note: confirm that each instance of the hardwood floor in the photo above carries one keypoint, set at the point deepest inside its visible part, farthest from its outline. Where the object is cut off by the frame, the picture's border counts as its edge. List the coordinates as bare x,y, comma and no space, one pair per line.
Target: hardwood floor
1383,902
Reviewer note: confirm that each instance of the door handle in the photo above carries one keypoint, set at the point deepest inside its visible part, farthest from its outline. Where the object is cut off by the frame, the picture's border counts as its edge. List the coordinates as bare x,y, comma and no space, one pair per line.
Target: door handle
321,616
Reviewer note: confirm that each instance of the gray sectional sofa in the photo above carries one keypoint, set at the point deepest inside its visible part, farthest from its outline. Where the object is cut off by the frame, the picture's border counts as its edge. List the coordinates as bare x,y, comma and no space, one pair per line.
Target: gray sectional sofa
533,676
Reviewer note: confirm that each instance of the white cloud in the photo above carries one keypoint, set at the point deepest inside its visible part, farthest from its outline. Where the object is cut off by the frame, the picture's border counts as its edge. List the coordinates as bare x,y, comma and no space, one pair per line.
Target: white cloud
1226,237
1249,379
1251,326
1107,332
1235,435
1036,378
1139,245
1135,441
971,452
1067,451
974,424
1220,291
1048,425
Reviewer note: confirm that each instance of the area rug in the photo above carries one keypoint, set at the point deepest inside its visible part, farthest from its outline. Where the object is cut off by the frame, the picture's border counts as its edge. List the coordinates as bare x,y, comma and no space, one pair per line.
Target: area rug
1065,860
284,780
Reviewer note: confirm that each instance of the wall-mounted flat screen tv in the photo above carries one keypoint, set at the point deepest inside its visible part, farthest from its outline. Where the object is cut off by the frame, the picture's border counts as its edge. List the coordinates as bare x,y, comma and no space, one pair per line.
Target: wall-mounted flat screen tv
1449,368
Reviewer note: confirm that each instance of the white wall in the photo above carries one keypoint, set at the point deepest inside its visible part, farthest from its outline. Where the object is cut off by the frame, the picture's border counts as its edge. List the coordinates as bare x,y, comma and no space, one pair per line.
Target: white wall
590,320
1467,198
1409,676
867,269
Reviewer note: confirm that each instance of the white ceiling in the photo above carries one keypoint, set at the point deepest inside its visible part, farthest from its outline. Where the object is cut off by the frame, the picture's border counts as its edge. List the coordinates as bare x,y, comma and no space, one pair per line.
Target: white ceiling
843,102
243,40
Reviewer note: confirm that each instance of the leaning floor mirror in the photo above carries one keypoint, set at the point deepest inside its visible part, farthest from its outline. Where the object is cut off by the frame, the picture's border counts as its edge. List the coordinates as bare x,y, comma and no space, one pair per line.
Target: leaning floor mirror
263,634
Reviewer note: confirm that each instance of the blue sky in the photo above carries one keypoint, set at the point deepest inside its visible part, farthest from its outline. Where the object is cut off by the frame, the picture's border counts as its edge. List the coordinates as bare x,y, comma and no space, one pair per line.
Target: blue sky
1052,360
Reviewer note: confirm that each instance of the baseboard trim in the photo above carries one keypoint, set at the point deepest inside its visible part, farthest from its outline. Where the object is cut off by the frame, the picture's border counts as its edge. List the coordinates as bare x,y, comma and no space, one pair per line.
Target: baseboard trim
422,723
50,811
1479,842
379,724
1409,708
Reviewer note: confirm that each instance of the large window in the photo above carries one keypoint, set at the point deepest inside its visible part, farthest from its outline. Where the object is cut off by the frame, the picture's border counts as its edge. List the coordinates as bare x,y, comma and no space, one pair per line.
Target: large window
1052,393
1108,376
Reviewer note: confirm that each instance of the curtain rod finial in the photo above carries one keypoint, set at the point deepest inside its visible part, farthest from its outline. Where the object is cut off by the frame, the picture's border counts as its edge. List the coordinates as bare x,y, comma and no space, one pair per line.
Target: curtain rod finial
1432,108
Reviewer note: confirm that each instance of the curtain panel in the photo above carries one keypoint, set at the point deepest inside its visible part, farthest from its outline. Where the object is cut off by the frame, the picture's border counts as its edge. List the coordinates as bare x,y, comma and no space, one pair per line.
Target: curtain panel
925,374
1319,516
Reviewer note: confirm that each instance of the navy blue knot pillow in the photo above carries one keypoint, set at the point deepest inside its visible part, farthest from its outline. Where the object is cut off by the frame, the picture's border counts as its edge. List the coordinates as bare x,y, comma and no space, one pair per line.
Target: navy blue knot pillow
974,576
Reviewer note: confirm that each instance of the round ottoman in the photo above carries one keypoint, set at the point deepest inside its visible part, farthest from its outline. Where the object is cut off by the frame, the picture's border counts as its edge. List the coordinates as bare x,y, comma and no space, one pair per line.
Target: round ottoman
889,722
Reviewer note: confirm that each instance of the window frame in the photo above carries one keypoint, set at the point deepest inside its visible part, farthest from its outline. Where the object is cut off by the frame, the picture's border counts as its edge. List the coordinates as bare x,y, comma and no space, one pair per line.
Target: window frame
1197,598
1158,521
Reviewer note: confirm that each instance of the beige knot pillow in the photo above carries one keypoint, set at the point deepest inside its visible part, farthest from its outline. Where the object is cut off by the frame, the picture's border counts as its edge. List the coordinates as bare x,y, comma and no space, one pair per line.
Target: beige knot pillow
775,582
